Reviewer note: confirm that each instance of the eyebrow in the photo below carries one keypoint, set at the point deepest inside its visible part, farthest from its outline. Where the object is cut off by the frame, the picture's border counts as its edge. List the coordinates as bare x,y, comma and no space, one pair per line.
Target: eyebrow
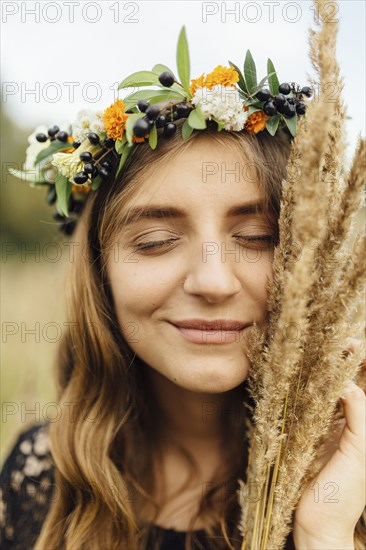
159,212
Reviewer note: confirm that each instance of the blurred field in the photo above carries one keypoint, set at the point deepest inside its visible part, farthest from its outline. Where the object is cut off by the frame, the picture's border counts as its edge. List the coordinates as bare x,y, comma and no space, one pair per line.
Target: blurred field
31,293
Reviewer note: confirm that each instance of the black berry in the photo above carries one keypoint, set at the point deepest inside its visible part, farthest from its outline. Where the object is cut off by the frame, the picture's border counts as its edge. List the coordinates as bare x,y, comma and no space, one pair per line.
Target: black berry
152,112
109,143
284,88
183,110
41,138
264,94
103,172
81,177
142,105
141,127
161,121
68,227
169,129
76,144
89,168
289,110
129,111
269,108
106,164
166,78
93,138
76,206
58,217
308,92
62,136
86,156
301,108
53,131
279,100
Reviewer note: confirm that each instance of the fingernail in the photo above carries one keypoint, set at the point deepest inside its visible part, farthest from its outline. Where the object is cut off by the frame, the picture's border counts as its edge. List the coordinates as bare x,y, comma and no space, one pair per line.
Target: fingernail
348,388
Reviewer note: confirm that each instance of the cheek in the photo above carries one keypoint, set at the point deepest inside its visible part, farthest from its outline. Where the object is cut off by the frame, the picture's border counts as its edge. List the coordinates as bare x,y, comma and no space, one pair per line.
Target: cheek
256,274
137,290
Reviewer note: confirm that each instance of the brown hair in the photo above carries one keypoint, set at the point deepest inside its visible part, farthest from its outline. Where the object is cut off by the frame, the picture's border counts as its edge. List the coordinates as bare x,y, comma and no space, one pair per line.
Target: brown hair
105,443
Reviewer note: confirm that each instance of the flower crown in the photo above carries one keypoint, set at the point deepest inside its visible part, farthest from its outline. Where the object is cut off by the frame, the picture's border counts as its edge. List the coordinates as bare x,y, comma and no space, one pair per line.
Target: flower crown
76,159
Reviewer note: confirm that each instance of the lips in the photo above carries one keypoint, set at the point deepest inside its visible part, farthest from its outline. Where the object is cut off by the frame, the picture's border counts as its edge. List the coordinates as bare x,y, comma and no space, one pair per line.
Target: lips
219,331
217,324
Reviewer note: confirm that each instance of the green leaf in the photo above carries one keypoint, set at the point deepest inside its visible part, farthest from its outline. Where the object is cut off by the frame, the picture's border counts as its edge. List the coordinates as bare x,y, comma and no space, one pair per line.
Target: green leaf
250,71
125,154
130,123
242,85
63,191
34,177
153,96
253,108
183,64
220,125
273,81
259,86
159,68
120,143
291,124
196,119
96,183
140,78
153,137
55,147
272,124
186,130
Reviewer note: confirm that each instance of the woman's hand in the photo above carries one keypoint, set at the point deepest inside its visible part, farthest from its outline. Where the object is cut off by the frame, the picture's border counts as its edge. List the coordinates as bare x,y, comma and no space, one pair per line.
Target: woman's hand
333,502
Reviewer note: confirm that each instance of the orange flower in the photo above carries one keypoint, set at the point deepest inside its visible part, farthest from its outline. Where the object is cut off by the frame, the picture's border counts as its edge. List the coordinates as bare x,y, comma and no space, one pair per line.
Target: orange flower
227,76
70,139
256,122
139,139
197,83
114,118
80,188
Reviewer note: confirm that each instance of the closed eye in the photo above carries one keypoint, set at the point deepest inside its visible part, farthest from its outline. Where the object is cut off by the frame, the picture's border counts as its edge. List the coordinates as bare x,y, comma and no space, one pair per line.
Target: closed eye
248,239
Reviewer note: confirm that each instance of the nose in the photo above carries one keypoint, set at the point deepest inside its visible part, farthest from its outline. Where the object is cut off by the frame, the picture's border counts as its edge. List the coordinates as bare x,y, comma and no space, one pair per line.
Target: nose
213,275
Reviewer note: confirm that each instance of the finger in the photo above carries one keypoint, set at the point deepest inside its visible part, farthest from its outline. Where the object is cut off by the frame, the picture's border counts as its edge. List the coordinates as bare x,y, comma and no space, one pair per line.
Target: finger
354,405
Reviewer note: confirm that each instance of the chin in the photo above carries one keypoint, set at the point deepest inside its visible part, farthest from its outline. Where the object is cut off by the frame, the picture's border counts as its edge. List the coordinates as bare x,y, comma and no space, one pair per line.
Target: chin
215,377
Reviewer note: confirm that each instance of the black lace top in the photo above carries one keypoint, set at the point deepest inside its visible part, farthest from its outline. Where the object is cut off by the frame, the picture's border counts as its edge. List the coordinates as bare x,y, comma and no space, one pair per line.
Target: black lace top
27,485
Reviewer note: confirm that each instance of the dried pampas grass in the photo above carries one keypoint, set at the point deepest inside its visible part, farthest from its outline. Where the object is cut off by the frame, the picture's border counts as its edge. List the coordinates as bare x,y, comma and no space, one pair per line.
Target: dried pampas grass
297,367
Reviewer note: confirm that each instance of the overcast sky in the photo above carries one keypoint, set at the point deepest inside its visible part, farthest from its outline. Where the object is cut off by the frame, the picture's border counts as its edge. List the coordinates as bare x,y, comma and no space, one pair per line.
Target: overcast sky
59,57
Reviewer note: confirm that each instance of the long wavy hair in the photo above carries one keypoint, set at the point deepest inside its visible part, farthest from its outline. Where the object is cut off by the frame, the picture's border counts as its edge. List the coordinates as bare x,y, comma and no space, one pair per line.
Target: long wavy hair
106,442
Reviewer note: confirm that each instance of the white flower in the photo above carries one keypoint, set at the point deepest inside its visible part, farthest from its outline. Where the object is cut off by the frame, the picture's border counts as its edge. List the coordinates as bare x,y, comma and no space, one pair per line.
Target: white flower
223,103
87,121
35,146
68,164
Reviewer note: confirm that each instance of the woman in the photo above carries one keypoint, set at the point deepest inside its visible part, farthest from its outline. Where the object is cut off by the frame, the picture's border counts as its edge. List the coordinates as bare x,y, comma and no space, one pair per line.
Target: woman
152,430
174,254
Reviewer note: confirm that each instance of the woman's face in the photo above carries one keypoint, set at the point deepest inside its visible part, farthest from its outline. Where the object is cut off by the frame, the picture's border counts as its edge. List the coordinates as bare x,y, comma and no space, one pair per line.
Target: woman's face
209,270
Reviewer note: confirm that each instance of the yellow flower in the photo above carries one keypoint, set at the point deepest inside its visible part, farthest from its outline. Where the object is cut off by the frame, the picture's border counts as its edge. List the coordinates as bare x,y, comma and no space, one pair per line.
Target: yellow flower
114,118
227,76
256,122
197,83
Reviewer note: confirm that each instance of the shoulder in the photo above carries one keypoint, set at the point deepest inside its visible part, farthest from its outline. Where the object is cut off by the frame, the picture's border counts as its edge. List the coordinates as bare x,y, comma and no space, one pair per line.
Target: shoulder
27,484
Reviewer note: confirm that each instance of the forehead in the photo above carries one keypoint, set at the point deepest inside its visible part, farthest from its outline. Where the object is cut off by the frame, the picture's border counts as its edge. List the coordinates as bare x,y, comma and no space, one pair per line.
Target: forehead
204,170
